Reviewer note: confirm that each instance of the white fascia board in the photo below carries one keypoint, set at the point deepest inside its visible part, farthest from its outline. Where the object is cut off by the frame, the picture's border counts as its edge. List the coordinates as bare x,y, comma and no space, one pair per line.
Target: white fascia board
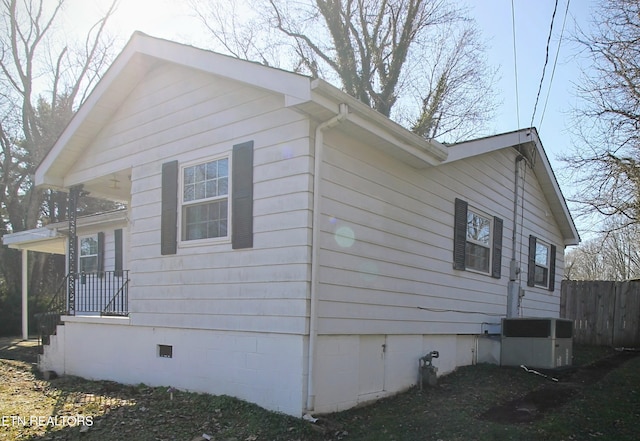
61,156
46,180
44,239
488,144
427,152
51,238
293,86
541,165
140,54
550,186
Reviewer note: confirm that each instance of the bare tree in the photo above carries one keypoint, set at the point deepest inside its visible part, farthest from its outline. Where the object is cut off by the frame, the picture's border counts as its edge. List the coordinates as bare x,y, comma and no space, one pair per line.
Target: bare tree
612,255
42,80
421,54
606,160
31,122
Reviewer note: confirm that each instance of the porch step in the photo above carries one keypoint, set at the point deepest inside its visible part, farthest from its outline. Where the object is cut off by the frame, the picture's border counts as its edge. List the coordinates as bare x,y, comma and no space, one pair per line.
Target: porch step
47,326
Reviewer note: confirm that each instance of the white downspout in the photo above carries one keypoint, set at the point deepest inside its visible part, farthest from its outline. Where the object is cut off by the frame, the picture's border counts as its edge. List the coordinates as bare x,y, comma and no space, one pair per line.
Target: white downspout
315,251
25,299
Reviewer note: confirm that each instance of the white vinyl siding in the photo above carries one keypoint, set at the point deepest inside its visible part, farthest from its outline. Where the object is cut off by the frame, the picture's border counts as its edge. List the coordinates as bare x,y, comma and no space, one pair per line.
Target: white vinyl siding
181,114
386,228
394,274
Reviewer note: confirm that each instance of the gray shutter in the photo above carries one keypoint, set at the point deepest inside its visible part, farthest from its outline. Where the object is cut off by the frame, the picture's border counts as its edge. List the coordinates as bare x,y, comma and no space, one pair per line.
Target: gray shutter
552,269
531,270
242,196
118,264
496,263
169,215
459,234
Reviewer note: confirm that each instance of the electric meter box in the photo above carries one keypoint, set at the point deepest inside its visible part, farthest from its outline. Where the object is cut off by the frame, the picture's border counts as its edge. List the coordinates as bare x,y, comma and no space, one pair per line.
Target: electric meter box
536,342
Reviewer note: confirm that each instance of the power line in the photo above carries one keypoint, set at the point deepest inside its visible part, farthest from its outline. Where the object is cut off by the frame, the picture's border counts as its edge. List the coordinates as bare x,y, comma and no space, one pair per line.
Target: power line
546,60
515,61
555,62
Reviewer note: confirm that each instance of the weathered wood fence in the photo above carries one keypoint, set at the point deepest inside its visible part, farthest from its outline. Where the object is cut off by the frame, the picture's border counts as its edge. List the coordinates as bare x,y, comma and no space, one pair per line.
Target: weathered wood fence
604,313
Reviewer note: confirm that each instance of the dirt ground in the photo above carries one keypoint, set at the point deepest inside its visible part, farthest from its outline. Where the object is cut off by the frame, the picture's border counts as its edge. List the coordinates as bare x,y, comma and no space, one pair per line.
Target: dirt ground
482,402
19,350
535,404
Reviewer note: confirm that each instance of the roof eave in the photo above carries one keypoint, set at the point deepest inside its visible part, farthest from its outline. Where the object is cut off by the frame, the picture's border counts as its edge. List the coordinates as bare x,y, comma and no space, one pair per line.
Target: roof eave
45,239
405,145
140,55
542,169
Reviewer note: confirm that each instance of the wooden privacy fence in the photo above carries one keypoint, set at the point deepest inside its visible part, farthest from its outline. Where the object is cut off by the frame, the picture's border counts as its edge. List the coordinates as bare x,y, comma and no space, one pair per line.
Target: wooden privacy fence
603,313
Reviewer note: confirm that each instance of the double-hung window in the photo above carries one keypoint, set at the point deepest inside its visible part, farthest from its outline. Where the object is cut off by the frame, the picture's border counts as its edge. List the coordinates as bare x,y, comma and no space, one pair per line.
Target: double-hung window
478,246
200,200
88,257
477,240
205,200
541,276
542,264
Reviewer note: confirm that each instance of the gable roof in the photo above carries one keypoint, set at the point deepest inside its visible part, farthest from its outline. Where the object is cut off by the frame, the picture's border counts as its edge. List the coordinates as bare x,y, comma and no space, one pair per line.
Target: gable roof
316,98
528,143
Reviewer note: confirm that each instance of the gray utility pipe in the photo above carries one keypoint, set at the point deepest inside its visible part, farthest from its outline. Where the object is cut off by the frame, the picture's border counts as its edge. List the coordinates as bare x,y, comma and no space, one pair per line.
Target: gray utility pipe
513,287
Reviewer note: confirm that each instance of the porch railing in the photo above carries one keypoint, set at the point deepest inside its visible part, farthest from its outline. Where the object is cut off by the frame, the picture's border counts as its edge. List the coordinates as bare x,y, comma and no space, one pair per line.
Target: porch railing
48,321
119,303
103,292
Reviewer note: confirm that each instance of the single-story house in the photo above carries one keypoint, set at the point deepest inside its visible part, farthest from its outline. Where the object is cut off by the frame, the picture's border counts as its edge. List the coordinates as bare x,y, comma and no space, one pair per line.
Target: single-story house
282,242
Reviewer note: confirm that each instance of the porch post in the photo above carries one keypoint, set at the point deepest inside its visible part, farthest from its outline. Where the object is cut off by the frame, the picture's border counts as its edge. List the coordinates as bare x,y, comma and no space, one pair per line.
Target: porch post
25,302
74,194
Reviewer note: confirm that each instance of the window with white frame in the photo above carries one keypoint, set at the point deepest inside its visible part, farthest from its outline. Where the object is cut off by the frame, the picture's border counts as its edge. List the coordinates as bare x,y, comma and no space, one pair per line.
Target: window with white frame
542,264
478,246
541,275
477,240
205,200
88,257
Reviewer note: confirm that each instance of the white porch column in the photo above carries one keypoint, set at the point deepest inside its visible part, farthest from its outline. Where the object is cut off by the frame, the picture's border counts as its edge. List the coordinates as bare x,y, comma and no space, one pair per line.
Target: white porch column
25,302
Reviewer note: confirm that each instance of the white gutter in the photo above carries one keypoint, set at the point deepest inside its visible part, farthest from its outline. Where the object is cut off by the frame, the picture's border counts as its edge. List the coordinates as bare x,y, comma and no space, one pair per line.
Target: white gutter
315,251
424,152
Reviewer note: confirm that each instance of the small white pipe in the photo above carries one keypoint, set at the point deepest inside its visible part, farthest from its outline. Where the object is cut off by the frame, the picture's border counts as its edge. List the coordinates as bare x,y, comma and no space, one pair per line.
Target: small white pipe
315,251
25,298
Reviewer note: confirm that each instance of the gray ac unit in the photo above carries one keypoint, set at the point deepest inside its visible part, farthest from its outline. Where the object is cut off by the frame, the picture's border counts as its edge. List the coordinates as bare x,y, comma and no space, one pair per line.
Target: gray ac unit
537,342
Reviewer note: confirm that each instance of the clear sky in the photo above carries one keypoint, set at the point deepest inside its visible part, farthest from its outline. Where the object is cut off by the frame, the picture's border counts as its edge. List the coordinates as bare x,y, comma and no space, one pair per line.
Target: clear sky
172,19
532,24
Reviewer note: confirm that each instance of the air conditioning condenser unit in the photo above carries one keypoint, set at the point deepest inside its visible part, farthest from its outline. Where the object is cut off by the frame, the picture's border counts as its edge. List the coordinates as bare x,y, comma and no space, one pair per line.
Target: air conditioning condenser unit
537,342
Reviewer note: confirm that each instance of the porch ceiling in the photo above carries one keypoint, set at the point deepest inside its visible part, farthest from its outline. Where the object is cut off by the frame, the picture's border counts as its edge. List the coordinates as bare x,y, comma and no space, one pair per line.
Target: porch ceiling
114,186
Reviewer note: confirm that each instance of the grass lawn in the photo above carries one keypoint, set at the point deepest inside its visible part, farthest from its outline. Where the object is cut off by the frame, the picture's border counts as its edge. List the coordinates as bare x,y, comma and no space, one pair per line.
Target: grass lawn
481,402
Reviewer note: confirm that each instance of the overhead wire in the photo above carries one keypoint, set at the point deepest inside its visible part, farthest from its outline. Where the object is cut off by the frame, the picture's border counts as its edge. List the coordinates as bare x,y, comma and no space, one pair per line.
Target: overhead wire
515,61
546,61
555,62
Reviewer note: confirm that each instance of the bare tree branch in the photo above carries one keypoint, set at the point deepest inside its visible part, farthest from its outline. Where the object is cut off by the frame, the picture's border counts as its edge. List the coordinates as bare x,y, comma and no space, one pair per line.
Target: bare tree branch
380,50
